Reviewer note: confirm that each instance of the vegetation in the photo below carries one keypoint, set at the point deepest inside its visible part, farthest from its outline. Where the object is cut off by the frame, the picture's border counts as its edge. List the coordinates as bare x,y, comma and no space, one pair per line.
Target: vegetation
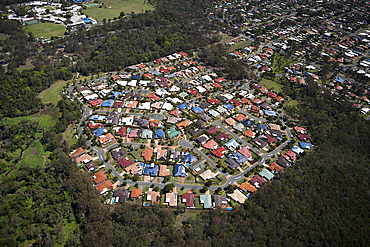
46,30
113,9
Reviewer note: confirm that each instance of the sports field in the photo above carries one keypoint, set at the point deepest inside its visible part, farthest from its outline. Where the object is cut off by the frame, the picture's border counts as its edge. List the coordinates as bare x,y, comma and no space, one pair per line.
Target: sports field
46,30
113,8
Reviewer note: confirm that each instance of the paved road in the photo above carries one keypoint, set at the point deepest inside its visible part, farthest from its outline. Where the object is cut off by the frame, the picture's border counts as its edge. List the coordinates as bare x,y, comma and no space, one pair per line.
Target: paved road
252,117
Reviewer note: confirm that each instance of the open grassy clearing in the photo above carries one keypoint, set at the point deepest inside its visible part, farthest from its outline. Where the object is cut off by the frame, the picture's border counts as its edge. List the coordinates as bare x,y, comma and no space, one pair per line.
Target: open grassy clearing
53,93
239,45
17,120
46,30
271,85
69,136
113,8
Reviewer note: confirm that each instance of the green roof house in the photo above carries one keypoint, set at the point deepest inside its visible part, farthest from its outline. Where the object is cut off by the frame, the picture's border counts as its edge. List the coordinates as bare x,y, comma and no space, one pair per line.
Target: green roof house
206,200
173,132
183,94
197,166
266,174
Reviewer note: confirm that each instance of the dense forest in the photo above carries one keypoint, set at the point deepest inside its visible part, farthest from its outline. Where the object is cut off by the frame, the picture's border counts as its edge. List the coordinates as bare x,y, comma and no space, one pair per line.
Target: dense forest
322,200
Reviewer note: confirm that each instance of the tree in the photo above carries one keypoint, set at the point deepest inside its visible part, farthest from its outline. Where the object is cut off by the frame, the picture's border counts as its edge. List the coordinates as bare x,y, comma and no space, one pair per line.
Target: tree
205,188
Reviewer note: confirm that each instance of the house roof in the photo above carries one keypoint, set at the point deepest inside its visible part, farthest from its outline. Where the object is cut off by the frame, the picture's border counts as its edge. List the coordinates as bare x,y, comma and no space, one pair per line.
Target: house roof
257,179
118,153
238,196
211,144
189,158
249,133
151,170
206,200
163,171
121,195
282,162
124,161
188,198
219,152
84,158
184,123
245,152
270,139
147,154
222,136
78,152
153,196
275,167
99,177
179,171
104,186
212,130
240,117
171,199
135,193
232,163
246,186
220,200
230,121
266,174
197,166
260,143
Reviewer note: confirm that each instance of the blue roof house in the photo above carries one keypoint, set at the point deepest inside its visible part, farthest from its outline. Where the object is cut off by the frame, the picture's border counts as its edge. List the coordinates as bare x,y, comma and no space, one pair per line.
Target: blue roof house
197,109
232,144
297,150
179,171
183,106
270,113
151,170
261,127
99,132
229,106
249,123
241,159
159,133
305,145
340,80
108,103
189,158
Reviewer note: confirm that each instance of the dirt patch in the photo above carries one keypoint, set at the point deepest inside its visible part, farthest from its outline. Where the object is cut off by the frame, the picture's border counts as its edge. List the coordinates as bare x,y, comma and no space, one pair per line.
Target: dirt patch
33,150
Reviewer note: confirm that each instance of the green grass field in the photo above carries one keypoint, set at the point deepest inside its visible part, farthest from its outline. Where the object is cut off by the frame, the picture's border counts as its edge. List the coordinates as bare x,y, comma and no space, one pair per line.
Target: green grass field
239,45
46,30
274,86
17,120
69,136
53,93
113,8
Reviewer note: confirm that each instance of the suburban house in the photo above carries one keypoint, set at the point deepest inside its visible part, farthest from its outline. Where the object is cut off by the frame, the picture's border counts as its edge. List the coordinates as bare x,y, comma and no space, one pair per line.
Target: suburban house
188,199
99,177
206,200
136,193
121,196
171,199
104,186
154,197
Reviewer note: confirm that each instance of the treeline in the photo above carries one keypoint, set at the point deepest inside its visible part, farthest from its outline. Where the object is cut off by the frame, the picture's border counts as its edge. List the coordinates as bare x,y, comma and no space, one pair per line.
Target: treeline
235,69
